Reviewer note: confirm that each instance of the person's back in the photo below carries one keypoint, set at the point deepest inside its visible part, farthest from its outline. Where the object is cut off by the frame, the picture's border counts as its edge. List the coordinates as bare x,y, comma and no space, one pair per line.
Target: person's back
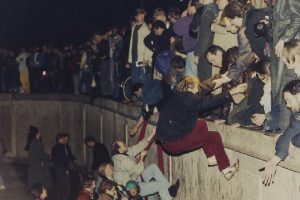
59,157
101,155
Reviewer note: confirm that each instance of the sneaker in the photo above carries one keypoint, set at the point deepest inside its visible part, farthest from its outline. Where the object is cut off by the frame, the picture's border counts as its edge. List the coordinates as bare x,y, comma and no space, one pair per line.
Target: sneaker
230,171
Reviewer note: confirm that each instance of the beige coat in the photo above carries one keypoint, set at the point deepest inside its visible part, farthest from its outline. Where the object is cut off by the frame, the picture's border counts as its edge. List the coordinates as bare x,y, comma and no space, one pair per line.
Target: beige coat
144,54
125,167
223,38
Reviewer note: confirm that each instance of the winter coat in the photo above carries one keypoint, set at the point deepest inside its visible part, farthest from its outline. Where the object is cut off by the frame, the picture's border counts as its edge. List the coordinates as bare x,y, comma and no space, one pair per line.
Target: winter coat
286,26
181,28
100,154
38,165
180,114
205,39
125,166
144,54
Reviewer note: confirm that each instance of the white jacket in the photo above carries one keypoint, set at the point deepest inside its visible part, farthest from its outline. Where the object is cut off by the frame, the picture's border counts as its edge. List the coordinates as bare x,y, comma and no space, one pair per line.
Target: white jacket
125,167
144,54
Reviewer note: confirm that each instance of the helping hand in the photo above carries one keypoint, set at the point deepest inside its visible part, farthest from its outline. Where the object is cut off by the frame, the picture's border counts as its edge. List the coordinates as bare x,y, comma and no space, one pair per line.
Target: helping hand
269,173
239,89
258,119
279,48
133,131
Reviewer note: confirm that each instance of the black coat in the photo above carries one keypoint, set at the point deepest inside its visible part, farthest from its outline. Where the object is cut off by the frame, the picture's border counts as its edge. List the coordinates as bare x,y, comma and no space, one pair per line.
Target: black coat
286,26
62,156
180,114
158,44
101,155
201,23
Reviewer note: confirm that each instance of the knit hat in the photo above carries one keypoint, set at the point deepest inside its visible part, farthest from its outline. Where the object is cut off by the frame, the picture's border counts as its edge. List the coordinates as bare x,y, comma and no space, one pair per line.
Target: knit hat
131,185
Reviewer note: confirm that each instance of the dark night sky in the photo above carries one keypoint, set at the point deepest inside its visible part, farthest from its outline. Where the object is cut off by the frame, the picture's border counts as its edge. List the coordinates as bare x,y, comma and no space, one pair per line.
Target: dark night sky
30,22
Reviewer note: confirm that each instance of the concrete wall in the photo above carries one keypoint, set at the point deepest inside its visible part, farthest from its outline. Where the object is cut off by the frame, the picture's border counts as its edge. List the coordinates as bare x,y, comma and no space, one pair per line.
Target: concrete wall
108,121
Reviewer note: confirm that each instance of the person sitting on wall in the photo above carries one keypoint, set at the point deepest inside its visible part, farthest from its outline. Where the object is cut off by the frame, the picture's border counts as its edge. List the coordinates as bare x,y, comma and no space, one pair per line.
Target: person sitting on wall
179,130
161,89
290,137
149,94
127,168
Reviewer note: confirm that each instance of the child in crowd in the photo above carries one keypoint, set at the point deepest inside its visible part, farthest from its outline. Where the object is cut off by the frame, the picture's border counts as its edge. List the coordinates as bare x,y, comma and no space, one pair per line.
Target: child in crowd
134,190
39,192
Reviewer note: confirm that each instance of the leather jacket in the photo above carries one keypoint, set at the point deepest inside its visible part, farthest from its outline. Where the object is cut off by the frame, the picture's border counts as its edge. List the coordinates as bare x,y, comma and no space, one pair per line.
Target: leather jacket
286,26
286,18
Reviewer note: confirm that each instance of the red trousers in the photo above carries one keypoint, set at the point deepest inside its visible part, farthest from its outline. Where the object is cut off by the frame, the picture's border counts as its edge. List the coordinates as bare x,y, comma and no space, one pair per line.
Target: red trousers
200,136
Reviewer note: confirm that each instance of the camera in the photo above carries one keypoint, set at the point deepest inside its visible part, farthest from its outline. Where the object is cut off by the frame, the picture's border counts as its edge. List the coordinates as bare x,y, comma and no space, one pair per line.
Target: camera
263,29
260,29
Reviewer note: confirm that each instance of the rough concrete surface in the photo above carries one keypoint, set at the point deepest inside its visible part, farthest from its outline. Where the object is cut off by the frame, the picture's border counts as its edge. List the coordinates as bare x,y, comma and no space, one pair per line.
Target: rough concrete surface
108,121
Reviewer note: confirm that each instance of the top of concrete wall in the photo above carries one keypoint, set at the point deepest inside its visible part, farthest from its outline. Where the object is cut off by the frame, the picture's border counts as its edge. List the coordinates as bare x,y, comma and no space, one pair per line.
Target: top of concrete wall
252,143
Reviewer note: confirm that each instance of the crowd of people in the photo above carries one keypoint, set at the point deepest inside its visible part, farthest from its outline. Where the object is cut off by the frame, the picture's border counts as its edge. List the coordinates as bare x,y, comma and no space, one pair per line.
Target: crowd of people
218,60
119,175
66,69
223,61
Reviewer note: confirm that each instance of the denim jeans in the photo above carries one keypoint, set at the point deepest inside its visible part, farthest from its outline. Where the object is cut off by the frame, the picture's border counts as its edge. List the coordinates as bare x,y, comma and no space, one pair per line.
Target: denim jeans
160,184
273,119
117,77
190,66
138,74
296,140
85,81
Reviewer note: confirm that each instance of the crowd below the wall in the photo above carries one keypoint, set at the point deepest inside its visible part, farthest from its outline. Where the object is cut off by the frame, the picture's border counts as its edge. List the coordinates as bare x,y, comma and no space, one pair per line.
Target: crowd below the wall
223,61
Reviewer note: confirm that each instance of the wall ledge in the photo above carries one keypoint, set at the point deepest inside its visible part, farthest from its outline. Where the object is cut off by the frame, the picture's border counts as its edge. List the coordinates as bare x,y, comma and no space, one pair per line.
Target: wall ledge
248,142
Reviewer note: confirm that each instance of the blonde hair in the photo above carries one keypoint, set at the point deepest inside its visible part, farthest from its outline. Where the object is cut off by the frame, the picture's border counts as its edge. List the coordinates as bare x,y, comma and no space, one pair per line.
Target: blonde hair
188,82
291,50
102,167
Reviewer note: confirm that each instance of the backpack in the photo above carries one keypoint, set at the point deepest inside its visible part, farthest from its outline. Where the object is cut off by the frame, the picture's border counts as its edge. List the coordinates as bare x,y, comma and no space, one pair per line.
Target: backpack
162,62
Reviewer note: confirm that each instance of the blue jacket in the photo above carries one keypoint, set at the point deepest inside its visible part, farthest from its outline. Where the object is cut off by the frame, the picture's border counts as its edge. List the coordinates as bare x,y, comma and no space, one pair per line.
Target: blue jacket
291,134
152,92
